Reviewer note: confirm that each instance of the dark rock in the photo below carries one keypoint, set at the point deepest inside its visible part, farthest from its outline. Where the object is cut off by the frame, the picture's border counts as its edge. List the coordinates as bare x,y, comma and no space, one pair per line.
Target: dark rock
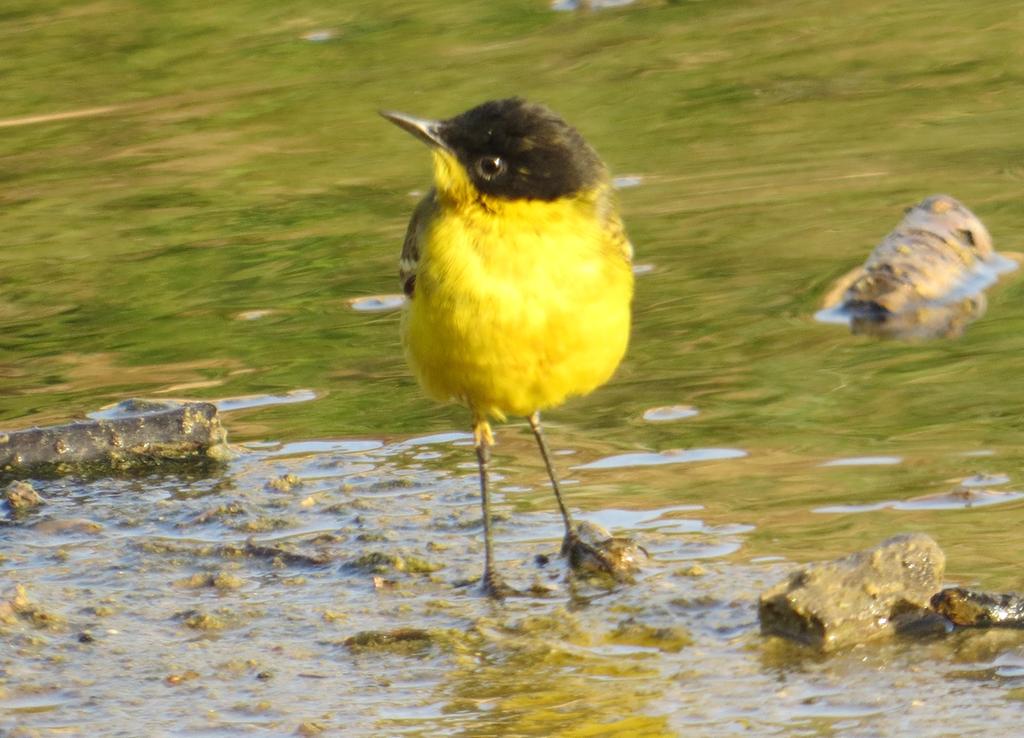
867,595
964,607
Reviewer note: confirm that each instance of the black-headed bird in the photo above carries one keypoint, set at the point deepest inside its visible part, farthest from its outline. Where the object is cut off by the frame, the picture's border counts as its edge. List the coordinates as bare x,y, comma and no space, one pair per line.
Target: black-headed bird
518,275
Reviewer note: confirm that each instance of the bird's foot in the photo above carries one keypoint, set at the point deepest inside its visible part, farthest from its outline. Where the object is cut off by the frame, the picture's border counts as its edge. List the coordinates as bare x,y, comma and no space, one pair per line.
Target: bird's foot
494,586
570,541
587,557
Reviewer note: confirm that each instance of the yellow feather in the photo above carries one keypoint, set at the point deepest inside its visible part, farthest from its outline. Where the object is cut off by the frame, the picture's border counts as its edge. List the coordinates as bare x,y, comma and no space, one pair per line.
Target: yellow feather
518,304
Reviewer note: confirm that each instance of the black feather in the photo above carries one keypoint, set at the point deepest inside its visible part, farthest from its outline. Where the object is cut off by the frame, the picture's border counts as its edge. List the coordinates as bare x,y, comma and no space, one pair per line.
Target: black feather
545,158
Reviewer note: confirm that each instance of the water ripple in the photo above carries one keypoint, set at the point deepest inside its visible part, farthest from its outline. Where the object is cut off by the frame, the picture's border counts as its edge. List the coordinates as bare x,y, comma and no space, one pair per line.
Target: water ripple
673,456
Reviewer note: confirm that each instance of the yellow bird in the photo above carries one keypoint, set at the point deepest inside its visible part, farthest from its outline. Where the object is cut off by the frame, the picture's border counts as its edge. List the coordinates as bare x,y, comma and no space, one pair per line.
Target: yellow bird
517,271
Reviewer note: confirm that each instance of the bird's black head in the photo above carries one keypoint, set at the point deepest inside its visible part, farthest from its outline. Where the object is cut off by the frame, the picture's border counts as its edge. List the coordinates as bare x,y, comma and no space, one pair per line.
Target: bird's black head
513,149
518,150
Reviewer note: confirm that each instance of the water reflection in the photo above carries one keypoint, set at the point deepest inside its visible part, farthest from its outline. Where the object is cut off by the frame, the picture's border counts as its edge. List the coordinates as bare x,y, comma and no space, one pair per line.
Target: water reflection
673,456
376,303
126,408
257,314
962,498
250,402
625,181
864,461
669,413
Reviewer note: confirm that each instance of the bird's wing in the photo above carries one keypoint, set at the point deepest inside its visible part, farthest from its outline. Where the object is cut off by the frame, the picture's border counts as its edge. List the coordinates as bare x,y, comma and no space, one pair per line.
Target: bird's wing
409,262
609,214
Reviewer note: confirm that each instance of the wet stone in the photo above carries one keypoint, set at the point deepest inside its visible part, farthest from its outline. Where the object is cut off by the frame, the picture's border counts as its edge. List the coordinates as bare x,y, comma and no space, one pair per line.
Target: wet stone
202,620
694,570
924,280
284,483
262,524
172,680
277,554
670,639
19,497
222,581
968,608
218,513
136,435
597,551
398,639
858,598
18,608
376,536
69,526
377,562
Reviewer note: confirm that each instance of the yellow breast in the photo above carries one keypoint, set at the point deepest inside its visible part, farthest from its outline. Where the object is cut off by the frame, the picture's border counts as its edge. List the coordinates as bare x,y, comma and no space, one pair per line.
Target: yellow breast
518,304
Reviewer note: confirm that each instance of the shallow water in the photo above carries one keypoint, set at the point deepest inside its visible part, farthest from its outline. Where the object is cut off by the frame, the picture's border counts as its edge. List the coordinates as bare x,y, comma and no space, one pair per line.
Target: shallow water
202,203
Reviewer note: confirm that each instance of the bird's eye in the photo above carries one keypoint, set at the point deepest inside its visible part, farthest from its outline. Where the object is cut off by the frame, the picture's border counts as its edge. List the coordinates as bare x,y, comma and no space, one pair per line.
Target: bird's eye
490,167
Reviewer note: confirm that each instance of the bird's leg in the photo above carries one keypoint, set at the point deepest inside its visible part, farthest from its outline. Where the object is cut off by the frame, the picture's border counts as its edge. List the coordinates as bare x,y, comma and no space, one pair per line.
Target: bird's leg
572,546
571,537
484,439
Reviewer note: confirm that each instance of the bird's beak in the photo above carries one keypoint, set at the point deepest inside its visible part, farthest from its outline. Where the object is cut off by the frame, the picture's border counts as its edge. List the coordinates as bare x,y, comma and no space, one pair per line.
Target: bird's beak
428,131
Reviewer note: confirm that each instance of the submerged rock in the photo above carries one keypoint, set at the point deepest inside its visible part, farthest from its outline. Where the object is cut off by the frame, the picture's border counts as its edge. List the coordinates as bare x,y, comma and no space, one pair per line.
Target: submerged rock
377,562
924,280
17,608
964,607
867,595
670,639
18,497
401,639
67,526
137,435
278,554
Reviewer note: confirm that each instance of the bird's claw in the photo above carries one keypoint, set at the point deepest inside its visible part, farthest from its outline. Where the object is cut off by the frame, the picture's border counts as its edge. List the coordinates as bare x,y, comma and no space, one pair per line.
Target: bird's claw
494,587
